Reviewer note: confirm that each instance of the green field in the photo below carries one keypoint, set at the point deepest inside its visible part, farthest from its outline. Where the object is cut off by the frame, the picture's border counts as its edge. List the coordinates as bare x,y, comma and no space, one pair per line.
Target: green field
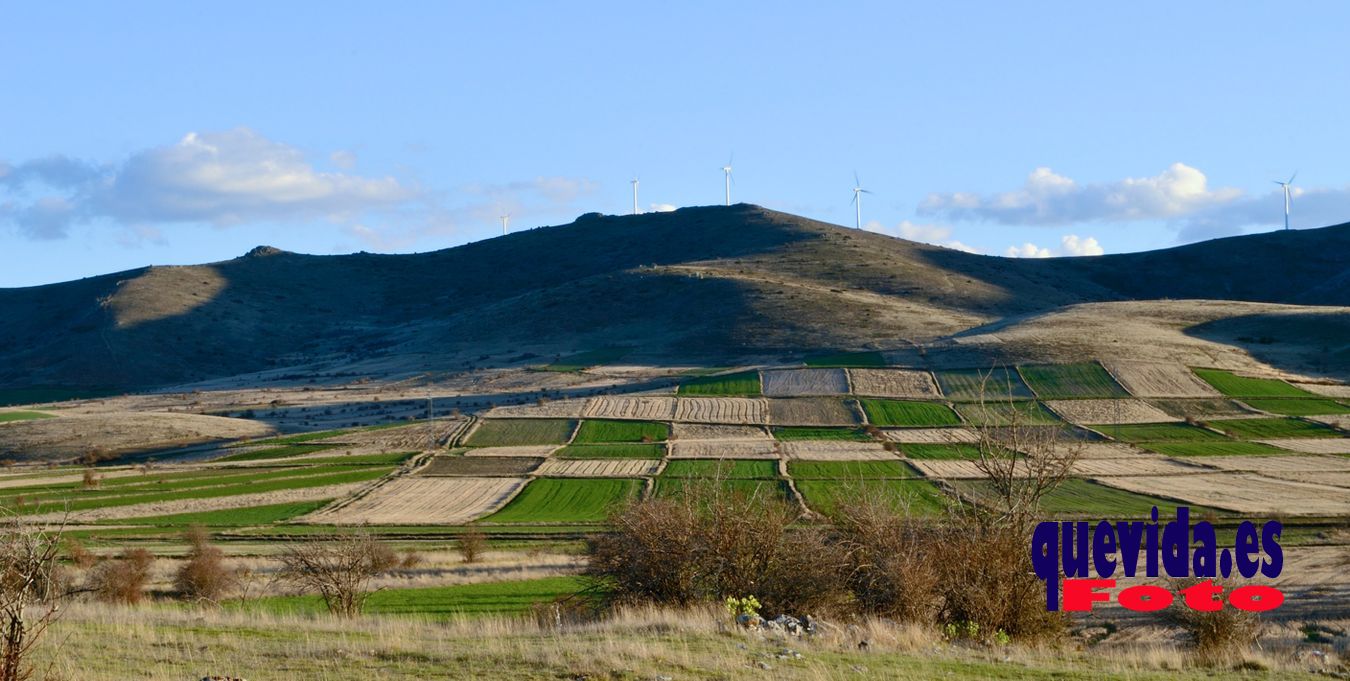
1203,408
8,416
488,598
1207,448
1084,498
42,394
1027,413
995,383
741,383
850,470
1315,406
361,459
673,487
952,451
234,517
727,469
566,500
1162,432
595,431
787,433
276,452
1267,429
1069,381
513,432
847,359
920,497
293,439
908,413
1233,385
625,450
588,359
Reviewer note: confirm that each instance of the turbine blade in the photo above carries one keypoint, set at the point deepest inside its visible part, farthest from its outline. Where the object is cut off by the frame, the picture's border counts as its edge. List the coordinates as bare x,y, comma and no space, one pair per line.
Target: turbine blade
856,181
1291,177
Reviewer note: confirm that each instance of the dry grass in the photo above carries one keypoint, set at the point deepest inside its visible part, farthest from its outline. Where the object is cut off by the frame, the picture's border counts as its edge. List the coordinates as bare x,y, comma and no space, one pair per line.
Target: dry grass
1335,445
894,383
1326,389
836,450
559,409
810,411
726,410
1281,464
1241,492
935,436
797,382
422,501
1150,379
598,468
724,449
532,451
703,431
1108,411
641,407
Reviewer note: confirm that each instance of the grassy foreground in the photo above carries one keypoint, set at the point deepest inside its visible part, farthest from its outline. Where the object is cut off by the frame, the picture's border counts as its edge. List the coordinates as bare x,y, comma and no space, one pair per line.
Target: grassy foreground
97,643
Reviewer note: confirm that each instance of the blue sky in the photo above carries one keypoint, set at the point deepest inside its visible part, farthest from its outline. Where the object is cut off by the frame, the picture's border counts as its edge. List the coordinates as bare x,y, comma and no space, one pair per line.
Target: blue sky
169,133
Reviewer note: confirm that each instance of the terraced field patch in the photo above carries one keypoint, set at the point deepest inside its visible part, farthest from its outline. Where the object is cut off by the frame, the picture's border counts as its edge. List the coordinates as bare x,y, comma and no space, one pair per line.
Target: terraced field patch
727,469
233,517
834,450
626,450
741,383
882,412
723,449
911,383
1267,465
1151,379
1203,408
566,500
847,359
996,383
1211,448
704,431
593,431
911,497
722,410
1270,428
566,409
789,433
531,451
1319,406
1165,432
1234,385
480,466
517,432
598,468
799,382
1245,493
1337,390
1088,499
435,603
1338,445
275,453
673,487
850,470
642,407
1071,381
931,435
1108,411
947,451
1109,450
8,416
956,469
1006,413
810,411
416,500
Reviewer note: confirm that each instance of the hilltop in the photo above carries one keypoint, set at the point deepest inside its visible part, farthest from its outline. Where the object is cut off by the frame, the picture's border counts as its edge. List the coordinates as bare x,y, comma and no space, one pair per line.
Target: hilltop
711,285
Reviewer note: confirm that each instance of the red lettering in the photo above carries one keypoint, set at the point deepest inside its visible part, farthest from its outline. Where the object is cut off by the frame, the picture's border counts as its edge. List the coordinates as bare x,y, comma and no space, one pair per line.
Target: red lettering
1080,594
1204,597
1256,598
1145,598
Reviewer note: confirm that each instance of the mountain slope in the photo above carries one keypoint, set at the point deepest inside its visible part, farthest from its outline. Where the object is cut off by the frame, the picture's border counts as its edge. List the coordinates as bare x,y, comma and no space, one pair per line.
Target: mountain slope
708,284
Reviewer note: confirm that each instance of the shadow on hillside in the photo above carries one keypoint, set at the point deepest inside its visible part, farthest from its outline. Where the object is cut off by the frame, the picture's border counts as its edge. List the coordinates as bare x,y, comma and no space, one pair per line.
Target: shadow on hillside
1313,343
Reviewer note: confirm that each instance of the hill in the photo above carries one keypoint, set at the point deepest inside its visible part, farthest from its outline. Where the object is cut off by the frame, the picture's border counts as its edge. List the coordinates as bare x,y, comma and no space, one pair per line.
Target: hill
710,284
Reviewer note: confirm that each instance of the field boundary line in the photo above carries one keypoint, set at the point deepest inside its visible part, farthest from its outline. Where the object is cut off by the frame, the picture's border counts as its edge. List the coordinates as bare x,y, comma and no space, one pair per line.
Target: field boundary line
848,380
474,422
1030,388
1119,382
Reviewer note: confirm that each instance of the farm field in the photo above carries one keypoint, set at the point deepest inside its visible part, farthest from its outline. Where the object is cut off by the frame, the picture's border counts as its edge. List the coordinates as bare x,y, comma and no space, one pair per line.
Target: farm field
703,431
850,470
910,383
243,516
594,431
835,450
643,407
810,411
997,383
718,449
1267,428
566,500
1299,407
563,409
907,413
1233,385
1267,465
598,468
1164,432
931,435
668,487
516,432
275,453
1336,390
957,469
1152,379
1203,408
480,466
1337,445
1110,450
434,603
1241,492
627,450
416,500
1092,411
726,410
799,382
940,451
1070,381
1006,413
1211,448
915,497
733,469
11,416
1087,499
529,451
741,383
788,433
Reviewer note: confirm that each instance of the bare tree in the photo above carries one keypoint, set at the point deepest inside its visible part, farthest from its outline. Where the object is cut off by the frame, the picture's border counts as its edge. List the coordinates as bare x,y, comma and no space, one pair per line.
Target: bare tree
338,569
29,592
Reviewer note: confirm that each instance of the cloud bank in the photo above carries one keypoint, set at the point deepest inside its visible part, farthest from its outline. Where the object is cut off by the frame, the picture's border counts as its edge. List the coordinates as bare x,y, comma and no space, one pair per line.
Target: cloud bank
1069,245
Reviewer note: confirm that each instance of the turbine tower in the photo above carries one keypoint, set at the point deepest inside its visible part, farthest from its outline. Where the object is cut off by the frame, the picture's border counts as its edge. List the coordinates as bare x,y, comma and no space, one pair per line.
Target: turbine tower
1285,186
726,169
858,191
505,219
634,181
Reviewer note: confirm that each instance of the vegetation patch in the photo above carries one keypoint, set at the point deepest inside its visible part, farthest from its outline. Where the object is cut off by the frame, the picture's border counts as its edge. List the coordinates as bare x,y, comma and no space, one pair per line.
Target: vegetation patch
847,359
588,359
1086,498
738,469
515,432
1007,413
626,450
440,602
234,517
595,431
1200,408
277,452
850,470
995,383
8,416
912,497
810,411
882,412
673,487
1208,448
566,500
1265,429
740,383
1163,432
933,451
1233,385
1068,381
1317,406
481,466
789,433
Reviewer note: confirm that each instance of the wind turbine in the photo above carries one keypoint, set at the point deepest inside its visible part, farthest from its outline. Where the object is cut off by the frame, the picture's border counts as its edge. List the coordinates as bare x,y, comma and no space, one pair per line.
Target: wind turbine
505,219
727,170
1285,186
858,191
634,181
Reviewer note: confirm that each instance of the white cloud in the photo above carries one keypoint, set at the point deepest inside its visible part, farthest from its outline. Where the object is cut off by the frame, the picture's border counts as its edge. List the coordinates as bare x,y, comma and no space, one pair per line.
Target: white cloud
1069,245
1047,198
662,208
938,235
343,159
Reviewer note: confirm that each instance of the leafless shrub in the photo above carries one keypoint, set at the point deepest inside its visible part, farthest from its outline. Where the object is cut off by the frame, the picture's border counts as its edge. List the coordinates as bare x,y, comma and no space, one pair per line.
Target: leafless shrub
29,593
1219,636
78,555
410,560
472,545
338,569
122,579
892,558
204,577
90,479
